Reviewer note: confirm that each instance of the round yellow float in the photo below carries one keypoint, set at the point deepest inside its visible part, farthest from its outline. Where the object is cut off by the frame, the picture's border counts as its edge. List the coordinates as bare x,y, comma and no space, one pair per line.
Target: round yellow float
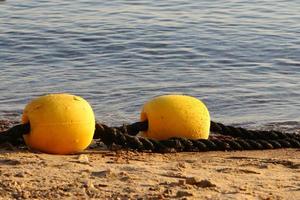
59,123
176,116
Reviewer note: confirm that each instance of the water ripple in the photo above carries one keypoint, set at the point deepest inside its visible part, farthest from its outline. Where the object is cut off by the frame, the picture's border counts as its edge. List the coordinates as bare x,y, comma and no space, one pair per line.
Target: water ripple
240,57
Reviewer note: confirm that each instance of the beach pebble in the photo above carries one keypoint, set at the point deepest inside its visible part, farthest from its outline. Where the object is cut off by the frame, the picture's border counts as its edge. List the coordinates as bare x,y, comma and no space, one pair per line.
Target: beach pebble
20,174
104,174
263,166
205,183
182,193
84,159
191,180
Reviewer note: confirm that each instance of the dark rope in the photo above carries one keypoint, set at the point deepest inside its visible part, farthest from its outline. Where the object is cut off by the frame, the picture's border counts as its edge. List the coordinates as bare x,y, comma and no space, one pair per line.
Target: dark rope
15,134
249,134
121,137
224,138
218,128
134,129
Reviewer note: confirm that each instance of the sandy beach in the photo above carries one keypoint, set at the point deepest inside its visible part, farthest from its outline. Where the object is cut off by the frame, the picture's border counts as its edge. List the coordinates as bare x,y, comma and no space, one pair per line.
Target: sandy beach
240,58
101,173
104,174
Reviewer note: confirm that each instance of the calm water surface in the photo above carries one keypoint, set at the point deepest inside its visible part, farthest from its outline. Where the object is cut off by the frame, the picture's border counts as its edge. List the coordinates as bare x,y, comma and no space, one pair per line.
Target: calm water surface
242,58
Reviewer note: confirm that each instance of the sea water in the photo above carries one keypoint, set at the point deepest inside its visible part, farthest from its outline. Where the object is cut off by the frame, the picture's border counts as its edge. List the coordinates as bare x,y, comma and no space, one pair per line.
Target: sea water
242,58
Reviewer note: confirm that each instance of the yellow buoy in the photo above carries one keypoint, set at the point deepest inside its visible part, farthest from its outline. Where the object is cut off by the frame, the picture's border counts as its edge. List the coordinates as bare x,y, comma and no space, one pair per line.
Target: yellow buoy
176,116
59,123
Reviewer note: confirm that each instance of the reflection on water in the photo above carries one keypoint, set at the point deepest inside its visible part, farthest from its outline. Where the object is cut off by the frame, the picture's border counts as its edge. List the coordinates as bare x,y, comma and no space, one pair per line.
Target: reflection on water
240,57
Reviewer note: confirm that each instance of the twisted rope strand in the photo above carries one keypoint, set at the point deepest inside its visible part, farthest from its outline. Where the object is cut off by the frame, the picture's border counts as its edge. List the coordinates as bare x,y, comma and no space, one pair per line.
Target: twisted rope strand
227,138
219,128
250,134
15,134
120,137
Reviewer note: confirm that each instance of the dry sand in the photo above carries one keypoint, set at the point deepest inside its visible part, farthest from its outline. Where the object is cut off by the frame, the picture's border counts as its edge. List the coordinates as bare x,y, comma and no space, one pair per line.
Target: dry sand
105,174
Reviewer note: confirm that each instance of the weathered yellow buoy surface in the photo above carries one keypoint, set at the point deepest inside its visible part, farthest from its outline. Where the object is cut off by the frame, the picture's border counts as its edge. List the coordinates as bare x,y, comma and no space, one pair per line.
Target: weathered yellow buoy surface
59,123
176,116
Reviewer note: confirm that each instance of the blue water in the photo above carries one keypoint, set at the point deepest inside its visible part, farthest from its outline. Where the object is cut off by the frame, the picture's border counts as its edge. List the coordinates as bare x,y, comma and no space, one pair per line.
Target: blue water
242,58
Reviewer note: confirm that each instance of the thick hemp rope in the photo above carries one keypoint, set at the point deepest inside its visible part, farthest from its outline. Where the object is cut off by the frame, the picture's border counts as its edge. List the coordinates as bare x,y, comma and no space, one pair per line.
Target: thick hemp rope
223,138
15,134
240,139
